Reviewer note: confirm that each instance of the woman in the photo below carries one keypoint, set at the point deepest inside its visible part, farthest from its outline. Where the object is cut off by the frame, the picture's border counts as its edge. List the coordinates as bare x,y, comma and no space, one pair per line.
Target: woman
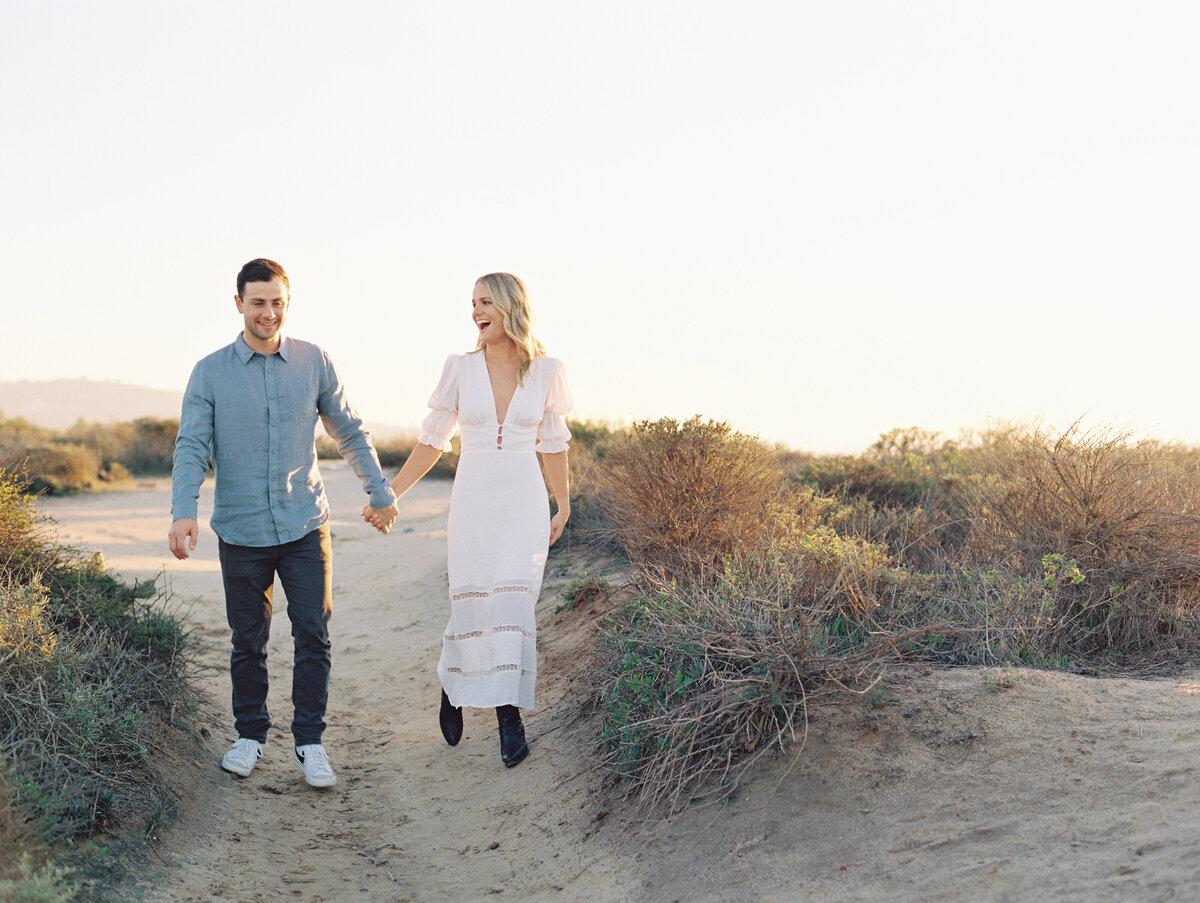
510,401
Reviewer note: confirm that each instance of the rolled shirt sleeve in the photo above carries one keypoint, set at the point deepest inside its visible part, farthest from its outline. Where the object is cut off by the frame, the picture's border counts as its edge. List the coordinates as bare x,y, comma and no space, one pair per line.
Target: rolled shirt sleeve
345,427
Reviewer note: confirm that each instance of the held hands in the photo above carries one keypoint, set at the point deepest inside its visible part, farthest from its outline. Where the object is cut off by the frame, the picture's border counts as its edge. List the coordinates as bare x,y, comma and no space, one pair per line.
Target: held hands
186,529
557,523
381,518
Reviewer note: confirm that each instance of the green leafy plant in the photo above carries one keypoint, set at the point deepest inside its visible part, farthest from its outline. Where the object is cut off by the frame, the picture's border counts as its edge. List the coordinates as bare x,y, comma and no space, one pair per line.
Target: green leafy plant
583,590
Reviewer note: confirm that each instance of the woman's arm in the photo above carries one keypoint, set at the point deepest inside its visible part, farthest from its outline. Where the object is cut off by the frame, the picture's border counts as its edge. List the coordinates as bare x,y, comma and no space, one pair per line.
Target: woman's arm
419,462
559,478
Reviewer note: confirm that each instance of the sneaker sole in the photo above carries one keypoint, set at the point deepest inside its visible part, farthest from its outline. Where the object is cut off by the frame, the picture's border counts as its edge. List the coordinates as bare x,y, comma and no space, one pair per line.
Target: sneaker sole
238,771
318,782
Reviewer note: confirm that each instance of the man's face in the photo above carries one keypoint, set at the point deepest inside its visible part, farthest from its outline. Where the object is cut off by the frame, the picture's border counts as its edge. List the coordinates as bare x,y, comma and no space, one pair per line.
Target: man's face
264,306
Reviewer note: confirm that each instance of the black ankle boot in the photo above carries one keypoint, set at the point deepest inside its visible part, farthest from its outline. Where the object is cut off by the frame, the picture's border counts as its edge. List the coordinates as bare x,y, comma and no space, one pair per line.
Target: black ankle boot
450,719
513,747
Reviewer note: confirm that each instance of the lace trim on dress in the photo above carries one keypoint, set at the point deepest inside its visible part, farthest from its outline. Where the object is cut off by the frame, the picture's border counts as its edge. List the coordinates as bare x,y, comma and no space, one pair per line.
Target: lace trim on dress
476,594
506,628
486,671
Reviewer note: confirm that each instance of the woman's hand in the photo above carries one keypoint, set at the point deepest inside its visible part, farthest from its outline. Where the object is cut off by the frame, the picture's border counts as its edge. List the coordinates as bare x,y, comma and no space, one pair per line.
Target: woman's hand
380,518
557,523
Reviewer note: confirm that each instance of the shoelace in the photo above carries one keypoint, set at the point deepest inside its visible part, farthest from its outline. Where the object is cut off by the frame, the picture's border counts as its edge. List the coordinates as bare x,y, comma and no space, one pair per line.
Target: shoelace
246,745
319,756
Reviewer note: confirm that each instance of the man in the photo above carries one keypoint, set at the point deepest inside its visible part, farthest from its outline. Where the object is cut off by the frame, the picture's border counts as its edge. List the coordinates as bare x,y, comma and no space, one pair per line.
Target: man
252,407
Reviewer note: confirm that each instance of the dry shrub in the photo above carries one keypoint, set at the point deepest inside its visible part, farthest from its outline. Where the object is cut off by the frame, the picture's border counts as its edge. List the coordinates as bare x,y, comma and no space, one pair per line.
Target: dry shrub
919,538
27,882
57,469
142,446
1106,527
17,433
16,838
589,524
394,452
114,472
108,440
151,447
26,874
682,496
967,615
700,680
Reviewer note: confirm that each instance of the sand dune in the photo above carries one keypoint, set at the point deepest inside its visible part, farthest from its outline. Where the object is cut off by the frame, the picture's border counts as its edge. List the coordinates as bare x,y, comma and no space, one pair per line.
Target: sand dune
1057,788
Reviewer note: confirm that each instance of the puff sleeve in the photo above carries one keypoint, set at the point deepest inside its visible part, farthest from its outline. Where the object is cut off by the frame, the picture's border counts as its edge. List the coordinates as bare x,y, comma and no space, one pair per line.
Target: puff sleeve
439,423
553,434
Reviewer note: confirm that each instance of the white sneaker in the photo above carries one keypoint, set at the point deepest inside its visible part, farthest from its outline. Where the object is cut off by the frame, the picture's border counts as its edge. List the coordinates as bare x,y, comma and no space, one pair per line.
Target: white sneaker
315,762
243,757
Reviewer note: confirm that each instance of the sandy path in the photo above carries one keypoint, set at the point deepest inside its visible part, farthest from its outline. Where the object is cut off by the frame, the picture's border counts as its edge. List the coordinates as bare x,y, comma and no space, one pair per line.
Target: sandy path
1059,788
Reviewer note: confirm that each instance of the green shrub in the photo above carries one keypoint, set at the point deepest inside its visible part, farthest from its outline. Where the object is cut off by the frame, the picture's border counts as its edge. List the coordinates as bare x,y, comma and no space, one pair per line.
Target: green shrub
81,705
905,492
584,590
84,593
24,544
696,681
91,671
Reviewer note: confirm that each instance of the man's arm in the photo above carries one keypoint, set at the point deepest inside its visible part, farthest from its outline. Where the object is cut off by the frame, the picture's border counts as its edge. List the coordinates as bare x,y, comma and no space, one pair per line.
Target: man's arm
345,427
193,446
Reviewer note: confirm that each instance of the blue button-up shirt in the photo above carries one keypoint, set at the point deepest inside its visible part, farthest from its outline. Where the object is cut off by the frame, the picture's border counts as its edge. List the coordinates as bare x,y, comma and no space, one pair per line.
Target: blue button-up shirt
255,416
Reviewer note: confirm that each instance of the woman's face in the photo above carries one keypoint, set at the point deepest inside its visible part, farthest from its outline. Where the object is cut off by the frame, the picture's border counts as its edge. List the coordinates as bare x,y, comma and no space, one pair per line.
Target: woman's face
488,319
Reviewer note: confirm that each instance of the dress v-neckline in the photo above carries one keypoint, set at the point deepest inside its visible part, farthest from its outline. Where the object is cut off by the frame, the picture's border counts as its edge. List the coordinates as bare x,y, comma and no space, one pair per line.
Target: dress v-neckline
487,375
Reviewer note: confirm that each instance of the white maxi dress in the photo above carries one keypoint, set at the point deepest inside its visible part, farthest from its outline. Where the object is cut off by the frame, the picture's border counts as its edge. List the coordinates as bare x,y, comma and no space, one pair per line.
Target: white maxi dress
498,531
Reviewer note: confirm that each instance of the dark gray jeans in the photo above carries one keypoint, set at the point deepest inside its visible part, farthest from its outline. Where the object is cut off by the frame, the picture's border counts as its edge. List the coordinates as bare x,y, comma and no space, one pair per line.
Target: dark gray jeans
305,572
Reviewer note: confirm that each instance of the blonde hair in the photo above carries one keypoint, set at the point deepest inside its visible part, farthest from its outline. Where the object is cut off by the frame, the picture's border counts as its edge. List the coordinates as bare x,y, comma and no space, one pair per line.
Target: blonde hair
511,299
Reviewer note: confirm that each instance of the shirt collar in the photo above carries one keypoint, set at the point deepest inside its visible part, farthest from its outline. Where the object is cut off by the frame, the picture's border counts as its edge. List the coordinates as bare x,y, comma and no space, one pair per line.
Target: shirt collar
245,352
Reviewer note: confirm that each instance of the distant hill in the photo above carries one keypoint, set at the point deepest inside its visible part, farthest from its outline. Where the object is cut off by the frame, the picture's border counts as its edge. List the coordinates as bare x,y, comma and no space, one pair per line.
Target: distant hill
59,403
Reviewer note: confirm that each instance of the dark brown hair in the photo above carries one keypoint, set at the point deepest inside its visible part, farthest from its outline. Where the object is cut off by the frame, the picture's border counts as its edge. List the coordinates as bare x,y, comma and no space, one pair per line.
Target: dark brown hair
261,270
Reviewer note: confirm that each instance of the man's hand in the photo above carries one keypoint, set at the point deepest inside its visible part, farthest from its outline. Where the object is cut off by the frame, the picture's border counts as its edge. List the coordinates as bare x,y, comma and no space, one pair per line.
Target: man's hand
381,518
186,528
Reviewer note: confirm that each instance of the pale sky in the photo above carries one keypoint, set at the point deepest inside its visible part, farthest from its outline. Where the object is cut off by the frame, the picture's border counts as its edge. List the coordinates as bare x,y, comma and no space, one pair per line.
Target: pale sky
817,221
